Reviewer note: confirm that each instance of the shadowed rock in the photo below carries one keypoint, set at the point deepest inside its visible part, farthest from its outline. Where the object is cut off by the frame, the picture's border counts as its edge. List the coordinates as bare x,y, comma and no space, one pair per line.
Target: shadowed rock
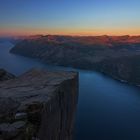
38,105
4,75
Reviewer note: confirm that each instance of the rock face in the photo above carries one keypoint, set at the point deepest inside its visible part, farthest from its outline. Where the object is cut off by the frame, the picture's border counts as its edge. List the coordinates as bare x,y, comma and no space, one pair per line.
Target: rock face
125,68
38,105
4,75
101,53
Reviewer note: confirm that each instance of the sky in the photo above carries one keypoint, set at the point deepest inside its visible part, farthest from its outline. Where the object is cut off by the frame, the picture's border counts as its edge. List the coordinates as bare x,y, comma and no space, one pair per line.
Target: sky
70,17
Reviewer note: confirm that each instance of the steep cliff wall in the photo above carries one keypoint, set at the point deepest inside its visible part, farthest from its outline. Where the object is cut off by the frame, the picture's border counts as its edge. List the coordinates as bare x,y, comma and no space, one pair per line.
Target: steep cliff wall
118,57
126,68
38,105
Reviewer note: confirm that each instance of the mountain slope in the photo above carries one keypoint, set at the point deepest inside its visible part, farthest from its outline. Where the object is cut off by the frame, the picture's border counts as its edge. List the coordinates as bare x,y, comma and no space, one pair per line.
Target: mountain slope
117,56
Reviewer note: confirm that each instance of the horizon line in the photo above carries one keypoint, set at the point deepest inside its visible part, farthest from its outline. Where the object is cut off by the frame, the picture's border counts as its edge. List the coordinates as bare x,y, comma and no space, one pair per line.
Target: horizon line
25,35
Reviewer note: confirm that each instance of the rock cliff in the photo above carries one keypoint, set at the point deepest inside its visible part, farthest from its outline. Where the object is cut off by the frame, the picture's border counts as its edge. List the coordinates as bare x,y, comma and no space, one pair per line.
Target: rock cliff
38,105
118,57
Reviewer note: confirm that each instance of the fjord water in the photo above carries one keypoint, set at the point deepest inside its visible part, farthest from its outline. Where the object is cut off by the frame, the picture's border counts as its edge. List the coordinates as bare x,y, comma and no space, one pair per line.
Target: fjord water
107,109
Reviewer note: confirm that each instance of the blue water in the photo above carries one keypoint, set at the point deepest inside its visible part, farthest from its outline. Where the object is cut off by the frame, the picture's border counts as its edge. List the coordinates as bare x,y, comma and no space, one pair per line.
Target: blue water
107,109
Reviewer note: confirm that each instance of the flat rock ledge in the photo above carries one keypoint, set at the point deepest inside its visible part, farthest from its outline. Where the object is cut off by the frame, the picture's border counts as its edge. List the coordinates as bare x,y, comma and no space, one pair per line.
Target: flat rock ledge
38,105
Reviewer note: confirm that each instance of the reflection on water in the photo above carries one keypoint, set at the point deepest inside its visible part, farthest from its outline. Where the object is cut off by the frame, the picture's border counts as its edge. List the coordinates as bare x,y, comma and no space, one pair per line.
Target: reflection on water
107,109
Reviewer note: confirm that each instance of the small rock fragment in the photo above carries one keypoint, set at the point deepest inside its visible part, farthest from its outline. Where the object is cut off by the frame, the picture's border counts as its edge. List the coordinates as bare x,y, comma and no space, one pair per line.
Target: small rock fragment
20,116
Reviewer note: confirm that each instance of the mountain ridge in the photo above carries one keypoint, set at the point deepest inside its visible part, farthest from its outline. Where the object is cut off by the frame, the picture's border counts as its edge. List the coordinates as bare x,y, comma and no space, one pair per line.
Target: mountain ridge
117,56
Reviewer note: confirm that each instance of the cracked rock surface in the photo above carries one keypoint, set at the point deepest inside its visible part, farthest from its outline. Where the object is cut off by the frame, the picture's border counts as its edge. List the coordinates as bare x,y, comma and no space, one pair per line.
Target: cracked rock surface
38,105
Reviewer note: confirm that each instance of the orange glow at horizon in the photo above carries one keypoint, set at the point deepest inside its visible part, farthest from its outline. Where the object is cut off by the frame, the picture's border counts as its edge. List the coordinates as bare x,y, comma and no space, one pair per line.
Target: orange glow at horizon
80,32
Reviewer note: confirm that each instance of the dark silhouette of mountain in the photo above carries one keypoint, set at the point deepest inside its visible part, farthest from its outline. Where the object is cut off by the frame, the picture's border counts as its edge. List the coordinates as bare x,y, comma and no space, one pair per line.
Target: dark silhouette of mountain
117,56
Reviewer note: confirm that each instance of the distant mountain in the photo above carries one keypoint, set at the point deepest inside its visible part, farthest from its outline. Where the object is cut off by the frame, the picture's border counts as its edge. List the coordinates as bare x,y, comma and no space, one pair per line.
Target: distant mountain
16,39
13,40
117,56
3,39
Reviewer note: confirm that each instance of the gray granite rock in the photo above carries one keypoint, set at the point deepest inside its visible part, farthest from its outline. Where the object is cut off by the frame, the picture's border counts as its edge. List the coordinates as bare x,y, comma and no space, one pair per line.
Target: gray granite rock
38,105
20,115
9,131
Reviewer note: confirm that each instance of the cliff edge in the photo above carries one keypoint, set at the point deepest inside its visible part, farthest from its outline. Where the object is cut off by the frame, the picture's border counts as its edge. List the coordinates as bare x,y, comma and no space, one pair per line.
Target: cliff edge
38,105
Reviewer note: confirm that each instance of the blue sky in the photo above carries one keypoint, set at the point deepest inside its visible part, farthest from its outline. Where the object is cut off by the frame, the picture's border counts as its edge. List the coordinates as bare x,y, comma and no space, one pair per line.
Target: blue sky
70,16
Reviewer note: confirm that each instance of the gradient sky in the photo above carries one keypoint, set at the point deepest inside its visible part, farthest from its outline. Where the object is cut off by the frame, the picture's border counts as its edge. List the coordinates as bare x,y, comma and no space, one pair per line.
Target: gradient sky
76,17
